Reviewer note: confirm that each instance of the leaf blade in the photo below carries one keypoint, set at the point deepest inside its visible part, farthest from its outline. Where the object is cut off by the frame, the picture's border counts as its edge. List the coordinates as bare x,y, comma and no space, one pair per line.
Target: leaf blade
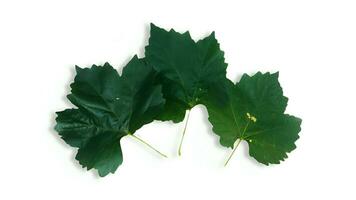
188,68
253,110
109,107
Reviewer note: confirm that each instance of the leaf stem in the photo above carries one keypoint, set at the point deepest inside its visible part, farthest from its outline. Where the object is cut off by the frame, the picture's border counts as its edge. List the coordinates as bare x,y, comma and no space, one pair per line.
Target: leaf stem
185,128
238,143
232,153
147,144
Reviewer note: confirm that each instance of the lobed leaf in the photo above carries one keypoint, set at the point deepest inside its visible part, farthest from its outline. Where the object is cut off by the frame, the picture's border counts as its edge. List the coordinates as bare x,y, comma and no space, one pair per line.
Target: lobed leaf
187,68
110,107
253,110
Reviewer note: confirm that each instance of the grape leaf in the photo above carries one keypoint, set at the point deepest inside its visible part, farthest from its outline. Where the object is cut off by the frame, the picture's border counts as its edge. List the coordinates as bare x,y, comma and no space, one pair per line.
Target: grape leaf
253,110
110,107
187,68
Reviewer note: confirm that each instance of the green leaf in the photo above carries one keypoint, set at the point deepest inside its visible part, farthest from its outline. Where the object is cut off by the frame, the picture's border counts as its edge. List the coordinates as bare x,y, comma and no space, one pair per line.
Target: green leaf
102,152
187,68
253,110
110,106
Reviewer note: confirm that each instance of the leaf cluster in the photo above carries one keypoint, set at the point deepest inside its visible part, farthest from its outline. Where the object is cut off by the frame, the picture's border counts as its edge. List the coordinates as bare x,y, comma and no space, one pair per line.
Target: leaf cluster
176,74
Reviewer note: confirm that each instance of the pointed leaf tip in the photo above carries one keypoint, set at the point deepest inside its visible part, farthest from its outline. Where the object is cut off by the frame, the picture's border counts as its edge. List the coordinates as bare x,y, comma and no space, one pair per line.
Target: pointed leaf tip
77,69
107,64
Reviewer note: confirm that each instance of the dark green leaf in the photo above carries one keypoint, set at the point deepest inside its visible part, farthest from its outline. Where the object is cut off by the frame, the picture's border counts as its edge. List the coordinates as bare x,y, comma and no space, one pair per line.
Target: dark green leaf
110,106
102,152
253,110
186,68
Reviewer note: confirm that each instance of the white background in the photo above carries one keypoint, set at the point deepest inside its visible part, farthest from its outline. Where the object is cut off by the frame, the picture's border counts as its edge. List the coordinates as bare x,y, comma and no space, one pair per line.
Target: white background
312,43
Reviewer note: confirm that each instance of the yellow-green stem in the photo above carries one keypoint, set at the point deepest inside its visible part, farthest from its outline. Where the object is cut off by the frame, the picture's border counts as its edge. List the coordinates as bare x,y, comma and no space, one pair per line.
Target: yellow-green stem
238,143
147,144
185,127
233,151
